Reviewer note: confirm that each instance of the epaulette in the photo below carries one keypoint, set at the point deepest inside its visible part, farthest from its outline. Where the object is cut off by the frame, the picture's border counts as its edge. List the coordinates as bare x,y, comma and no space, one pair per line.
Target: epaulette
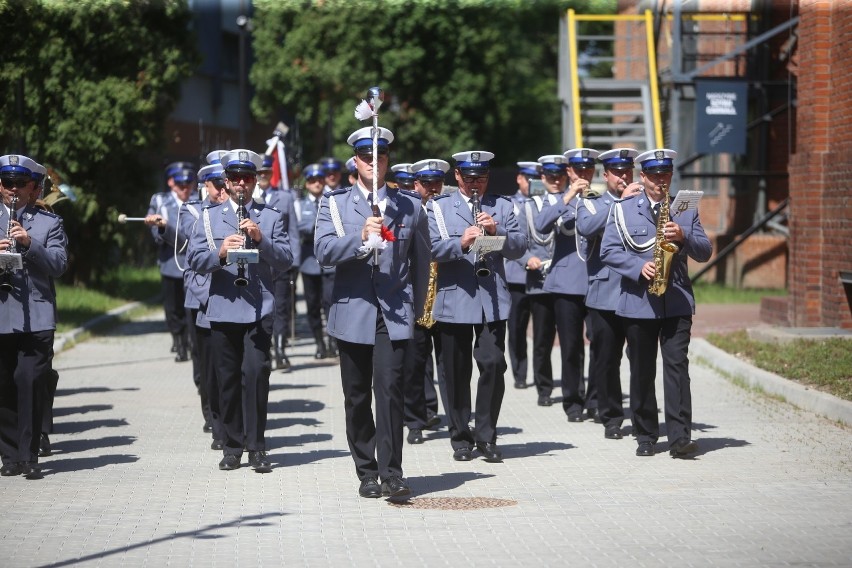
50,214
192,202
339,191
506,197
442,196
410,193
630,196
212,205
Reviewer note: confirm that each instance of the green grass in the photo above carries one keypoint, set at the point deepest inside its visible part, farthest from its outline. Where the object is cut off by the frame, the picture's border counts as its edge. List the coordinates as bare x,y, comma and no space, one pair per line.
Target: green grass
77,305
719,294
825,365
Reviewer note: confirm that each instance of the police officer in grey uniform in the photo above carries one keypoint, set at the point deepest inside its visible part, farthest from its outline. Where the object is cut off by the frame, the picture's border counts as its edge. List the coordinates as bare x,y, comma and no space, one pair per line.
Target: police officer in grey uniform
472,301
240,316
403,176
28,302
605,287
382,266
568,280
283,200
197,287
516,278
317,280
162,218
351,172
650,320
333,173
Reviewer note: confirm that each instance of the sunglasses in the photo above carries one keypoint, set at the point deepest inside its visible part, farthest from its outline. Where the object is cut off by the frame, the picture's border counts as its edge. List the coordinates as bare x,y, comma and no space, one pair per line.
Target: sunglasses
312,179
237,178
555,175
473,179
218,183
11,182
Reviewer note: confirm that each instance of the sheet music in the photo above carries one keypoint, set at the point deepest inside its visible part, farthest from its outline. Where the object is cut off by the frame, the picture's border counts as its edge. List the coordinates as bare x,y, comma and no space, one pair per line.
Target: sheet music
487,243
684,200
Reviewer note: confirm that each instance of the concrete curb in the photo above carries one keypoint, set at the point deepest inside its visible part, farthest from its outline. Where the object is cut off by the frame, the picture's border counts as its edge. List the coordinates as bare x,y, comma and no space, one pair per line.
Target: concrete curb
831,407
63,339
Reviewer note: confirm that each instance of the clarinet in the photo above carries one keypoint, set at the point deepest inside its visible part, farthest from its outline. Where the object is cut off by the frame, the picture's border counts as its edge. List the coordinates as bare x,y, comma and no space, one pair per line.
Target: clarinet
482,269
241,279
6,283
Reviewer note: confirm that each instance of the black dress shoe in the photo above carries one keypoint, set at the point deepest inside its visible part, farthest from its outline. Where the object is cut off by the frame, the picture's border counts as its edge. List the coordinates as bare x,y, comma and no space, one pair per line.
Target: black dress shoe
545,401
332,348
592,414
520,384
463,455
259,462
229,463
10,469
415,436
44,446
370,488
395,487
285,364
575,417
208,427
612,432
321,352
432,420
217,445
490,452
645,449
682,447
31,470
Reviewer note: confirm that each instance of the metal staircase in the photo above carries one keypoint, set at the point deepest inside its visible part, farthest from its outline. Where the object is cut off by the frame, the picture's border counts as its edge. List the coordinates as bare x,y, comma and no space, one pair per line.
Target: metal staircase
600,111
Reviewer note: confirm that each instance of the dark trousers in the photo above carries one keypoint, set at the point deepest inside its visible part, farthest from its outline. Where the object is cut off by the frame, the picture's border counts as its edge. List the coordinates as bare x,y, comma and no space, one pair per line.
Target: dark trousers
544,332
317,289
24,360
569,311
434,373
367,371
282,288
209,385
605,365
519,319
198,365
488,341
241,357
672,335
173,299
417,373
49,382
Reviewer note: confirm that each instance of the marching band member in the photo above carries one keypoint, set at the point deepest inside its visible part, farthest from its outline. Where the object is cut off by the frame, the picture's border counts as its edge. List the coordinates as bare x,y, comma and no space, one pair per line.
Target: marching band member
382,268
516,278
29,312
630,244
568,279
607,328
472,301
240,304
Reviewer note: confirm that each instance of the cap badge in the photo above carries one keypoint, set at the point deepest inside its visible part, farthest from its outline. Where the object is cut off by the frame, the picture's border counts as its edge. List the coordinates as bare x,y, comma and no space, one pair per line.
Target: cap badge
244,156
659,154
585,153
13,160
433,165
623,153
474,156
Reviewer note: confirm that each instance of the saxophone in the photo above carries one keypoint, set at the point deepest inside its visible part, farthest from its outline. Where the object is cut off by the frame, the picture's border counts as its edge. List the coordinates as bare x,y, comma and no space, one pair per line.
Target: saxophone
6,281
663,251
426,320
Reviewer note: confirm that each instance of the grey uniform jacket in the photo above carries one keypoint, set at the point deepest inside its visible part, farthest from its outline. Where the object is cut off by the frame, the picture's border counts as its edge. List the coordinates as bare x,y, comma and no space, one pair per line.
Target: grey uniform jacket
568,274
166,205
462,296
616,252
307,212
604,283
541,245
227,302
397,286
285,200
516,268
195,285
31,303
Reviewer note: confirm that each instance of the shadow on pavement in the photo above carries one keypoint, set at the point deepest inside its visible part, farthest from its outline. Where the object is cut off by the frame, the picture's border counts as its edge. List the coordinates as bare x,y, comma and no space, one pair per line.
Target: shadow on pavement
206,532
89,390
142,327
514,451
287,386
276,423
294,405
285,442
443,482
74,446
64,465
285,459
83,426
314,364
707,445
121,363
69,410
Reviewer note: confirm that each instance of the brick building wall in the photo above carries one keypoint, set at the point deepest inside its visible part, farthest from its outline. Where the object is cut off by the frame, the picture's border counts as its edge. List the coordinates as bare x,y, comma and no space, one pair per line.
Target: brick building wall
821,168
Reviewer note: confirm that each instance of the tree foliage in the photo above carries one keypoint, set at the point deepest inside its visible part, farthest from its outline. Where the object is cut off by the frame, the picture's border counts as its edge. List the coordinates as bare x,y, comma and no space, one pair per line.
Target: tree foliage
85,89
458,74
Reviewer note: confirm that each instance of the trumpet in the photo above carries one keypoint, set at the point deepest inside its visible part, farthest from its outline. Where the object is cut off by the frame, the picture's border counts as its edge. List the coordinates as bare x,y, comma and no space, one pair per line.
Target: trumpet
481,265
241,279
122,218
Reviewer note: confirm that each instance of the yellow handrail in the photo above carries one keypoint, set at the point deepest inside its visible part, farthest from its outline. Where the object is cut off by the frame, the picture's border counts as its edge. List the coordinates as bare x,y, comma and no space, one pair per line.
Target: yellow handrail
652,76
575,83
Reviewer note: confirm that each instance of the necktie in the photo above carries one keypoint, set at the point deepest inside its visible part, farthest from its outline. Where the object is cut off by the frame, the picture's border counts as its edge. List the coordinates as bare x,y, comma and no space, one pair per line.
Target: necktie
656,210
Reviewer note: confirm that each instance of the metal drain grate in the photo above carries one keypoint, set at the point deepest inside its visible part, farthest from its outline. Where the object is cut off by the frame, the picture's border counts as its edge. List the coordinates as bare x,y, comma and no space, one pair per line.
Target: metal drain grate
454,503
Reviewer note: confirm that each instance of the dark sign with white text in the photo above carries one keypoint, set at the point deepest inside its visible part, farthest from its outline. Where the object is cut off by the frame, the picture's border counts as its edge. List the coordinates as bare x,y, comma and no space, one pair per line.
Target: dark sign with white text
721,109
